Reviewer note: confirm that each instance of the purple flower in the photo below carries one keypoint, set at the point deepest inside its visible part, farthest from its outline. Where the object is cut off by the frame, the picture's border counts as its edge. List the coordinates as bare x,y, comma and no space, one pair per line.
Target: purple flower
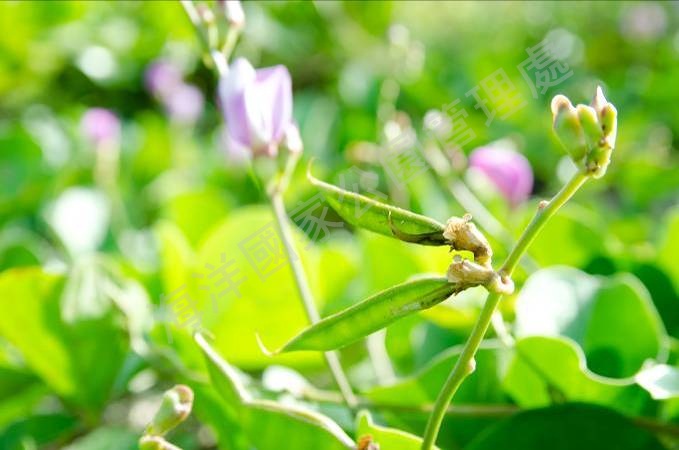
184,104
257,105
100,125
162,77
507,169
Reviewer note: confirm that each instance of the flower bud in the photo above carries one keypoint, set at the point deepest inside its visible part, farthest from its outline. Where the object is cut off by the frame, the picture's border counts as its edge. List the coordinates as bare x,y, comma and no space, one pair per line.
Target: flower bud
293,140
233,10
184,104
508,170
609,123
590,124
100,126
567,127
155,443
174,409
162,77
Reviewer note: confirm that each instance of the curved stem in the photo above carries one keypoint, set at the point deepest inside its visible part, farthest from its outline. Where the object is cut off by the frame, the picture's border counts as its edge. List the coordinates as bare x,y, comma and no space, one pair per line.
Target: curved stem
331,358
465,364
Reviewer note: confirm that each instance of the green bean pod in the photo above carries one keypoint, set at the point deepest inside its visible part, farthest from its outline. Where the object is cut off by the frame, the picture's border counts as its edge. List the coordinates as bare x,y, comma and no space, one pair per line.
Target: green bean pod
372,314
364,212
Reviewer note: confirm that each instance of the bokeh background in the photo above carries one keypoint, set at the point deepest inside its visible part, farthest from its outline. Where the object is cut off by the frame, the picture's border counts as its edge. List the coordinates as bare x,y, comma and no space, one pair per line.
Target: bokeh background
94,237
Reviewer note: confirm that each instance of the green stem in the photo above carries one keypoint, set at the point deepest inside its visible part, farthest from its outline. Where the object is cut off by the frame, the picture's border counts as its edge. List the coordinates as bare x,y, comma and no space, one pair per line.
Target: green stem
443,173
545,212
218,59
331,358
465,363
476,410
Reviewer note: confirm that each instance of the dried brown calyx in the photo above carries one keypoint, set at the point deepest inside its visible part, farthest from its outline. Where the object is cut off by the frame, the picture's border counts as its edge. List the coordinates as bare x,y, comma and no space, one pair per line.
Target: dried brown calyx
462,234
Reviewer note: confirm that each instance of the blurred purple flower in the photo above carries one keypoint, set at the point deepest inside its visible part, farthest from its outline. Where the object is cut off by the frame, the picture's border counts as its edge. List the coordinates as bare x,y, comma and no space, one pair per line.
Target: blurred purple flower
645,22
507,169
161,77
100,125
184,104
257,105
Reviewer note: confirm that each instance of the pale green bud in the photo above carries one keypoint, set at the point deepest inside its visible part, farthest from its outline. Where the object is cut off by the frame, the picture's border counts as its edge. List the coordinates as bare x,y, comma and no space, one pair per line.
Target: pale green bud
590,125
155,443
600,155
609,123
567,127
174,409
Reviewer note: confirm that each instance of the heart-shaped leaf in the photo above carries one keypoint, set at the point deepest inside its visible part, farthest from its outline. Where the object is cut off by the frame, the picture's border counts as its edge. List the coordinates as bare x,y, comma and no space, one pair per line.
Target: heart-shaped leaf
566,427
268,424
543,370
613,319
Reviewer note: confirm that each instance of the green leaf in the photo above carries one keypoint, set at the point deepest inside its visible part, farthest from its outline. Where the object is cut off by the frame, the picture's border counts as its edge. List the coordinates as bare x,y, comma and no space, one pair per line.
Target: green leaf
613,319
195,212
30,313
669,245
39,430
387,438
267,285
566,427
268,424
372,314
661,381
364,212
570,238
79,362
543,370
483,385
106,438
19,391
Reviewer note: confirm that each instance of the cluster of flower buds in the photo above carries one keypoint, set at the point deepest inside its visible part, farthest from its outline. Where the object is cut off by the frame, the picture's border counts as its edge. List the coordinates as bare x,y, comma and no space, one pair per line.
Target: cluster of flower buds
587,132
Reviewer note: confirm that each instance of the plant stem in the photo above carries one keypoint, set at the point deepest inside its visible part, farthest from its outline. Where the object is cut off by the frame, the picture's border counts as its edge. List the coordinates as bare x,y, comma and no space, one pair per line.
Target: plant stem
331,358
219,59
465,364
444,175
475,410
545,212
